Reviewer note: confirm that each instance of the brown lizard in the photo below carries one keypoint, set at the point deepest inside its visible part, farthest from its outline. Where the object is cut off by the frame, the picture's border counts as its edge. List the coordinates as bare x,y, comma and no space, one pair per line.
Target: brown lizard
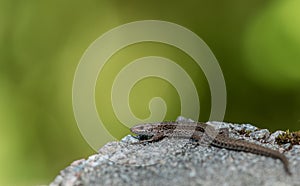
202,131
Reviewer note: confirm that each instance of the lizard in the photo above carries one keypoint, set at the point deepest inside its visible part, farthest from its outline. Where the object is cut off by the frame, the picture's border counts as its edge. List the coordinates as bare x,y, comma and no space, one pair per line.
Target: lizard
197,131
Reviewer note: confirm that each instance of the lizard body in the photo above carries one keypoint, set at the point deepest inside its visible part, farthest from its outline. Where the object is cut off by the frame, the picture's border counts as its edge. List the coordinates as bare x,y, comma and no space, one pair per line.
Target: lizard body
202,131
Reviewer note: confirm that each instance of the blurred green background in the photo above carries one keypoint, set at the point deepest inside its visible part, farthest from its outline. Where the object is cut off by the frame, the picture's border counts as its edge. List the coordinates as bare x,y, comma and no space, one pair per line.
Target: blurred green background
257,44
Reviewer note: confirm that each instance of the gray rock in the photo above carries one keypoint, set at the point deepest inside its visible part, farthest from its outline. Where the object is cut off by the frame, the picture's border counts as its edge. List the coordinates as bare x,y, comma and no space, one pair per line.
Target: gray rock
260,134
182,162
274,135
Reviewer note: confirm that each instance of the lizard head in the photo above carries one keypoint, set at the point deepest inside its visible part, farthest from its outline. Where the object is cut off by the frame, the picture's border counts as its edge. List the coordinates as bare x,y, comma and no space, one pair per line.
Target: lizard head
144,129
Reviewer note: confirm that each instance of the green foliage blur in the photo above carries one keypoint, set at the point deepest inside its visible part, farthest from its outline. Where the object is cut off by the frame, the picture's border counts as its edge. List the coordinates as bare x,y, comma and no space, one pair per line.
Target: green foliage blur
257,44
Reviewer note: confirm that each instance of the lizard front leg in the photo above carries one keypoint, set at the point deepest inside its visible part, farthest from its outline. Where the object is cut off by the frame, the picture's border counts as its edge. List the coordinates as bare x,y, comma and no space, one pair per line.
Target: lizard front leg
154,138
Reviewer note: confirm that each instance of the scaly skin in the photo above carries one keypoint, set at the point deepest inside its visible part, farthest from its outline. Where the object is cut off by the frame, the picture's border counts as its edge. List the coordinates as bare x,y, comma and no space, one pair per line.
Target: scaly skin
196,130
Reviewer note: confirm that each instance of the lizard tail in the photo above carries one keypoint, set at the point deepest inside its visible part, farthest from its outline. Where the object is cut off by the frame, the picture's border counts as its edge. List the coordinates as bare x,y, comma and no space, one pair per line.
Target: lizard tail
245,146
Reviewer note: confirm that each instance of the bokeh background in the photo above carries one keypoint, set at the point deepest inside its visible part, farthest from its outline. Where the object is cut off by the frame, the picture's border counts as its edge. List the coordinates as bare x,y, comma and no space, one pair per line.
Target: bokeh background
257,44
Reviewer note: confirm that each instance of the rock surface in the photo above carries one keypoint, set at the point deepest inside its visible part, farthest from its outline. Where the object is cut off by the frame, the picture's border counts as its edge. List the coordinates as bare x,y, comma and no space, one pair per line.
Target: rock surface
182,162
